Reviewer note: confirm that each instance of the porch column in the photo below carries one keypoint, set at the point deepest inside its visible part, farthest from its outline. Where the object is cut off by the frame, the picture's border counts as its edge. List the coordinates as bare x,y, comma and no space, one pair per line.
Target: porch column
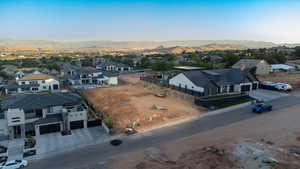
85,124
37,130
228,88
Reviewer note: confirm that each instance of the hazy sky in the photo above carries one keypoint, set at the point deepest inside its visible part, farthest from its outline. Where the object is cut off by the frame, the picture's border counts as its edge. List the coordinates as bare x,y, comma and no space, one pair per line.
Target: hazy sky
268,20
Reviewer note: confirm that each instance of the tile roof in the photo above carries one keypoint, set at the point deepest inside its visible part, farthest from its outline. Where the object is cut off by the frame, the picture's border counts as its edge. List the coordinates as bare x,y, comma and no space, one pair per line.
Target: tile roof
39,76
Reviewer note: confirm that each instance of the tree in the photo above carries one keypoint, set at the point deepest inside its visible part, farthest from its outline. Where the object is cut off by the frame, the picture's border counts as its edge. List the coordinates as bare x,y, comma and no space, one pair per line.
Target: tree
297,52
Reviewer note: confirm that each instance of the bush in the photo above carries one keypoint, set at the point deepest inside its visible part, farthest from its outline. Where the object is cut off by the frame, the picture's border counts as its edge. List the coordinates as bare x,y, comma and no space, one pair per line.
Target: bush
109,121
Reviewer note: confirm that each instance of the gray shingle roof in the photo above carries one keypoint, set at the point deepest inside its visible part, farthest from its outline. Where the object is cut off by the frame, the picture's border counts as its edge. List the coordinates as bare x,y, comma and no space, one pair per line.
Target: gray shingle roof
39,101
49,119
220,77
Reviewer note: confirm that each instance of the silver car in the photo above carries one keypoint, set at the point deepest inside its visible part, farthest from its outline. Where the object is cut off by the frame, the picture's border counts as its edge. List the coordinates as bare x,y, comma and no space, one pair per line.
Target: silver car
14,164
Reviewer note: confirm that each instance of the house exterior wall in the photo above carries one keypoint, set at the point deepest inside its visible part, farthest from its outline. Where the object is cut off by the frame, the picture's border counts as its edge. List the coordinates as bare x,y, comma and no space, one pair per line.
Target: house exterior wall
15,117
3,127
263,68
113,80
43,85
182,81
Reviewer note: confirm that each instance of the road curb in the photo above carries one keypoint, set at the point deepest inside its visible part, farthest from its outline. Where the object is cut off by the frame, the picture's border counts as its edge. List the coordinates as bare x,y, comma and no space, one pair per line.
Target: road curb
196,117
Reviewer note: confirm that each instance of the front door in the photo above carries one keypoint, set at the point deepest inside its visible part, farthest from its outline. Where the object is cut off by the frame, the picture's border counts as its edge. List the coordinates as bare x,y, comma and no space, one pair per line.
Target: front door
17,132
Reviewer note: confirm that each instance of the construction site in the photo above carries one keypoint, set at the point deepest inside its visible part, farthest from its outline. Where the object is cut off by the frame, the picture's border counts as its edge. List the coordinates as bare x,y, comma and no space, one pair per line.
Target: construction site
141,105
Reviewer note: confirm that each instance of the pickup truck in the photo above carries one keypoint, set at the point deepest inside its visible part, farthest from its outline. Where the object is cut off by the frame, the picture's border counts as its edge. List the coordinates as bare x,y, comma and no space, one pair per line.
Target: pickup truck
259,108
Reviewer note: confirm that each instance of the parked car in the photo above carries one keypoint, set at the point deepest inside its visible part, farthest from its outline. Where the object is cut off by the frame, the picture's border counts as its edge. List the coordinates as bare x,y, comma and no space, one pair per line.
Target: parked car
14,164
259,108
276,86
283,87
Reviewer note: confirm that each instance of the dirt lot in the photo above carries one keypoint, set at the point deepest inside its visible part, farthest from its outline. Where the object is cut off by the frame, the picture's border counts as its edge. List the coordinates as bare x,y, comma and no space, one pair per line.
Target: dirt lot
135,103
258,143
292,78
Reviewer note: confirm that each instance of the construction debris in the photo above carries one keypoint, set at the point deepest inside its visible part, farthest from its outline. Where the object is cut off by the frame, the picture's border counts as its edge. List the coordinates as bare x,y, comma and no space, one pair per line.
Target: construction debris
156,107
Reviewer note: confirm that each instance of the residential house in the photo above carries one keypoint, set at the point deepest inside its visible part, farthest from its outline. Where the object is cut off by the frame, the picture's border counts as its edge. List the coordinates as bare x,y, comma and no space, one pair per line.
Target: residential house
214,82
20,73
113,67
89,77
33,83
37,114
9,69
262,67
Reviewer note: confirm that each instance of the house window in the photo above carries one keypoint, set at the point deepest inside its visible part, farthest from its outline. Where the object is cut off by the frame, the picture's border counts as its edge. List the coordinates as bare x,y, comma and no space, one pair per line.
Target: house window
39,113
23,83
43,81
55,87
34,89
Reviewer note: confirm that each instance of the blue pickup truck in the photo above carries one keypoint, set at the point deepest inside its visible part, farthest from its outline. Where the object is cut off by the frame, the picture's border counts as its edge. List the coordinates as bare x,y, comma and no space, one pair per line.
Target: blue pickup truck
261,107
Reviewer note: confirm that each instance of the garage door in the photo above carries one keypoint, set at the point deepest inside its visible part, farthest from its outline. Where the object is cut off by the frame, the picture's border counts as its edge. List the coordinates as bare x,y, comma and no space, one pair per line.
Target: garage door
254,86
245,88
94,123
51,128
76,124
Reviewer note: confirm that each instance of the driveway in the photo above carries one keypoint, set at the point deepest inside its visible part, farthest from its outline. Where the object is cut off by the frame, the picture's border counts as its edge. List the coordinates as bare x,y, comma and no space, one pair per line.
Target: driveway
54,143
266,95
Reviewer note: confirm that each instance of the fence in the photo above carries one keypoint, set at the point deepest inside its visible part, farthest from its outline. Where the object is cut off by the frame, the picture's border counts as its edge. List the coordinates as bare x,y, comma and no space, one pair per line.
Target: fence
215,101
165,83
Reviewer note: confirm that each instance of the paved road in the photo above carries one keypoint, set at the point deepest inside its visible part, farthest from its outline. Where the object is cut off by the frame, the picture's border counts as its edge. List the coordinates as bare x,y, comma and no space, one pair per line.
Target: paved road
92,156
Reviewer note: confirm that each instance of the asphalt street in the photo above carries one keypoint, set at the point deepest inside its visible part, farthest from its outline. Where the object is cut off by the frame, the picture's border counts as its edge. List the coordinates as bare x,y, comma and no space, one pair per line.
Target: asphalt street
92,157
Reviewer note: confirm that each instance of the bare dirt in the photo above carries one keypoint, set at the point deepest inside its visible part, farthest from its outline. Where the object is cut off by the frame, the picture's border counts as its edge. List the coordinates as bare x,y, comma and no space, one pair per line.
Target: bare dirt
135,103
292,78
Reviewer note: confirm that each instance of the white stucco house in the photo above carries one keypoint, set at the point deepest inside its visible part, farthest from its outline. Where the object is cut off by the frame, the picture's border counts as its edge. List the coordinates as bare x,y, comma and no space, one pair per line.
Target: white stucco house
33,83
214,82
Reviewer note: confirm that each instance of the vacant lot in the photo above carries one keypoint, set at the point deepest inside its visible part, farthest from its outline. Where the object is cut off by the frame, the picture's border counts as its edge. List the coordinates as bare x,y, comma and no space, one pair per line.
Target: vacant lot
292,78
133,103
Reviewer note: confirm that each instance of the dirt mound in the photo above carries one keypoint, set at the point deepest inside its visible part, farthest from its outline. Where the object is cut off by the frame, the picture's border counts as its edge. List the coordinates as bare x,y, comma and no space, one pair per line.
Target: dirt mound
206,158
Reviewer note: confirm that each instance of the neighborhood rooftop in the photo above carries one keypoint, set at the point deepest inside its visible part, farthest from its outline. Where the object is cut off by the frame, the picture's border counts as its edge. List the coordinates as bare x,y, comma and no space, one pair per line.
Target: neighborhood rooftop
38,76
39,101
248,62
219,76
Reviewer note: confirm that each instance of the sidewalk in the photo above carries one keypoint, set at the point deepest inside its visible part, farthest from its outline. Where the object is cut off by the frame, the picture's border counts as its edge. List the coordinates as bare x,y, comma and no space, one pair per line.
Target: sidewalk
15,149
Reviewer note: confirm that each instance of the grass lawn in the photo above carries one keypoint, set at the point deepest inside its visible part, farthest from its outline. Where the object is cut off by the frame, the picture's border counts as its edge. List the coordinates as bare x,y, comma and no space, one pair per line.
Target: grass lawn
234,103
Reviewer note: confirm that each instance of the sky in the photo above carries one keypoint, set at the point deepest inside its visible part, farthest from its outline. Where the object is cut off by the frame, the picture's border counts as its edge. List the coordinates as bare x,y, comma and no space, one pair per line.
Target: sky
122,20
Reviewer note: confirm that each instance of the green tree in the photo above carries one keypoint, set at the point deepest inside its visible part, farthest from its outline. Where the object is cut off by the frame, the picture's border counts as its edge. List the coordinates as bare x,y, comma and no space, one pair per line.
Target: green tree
297,52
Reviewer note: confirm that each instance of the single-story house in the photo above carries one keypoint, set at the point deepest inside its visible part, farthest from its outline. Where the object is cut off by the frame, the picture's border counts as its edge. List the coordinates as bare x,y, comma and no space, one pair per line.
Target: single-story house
262,66
214,82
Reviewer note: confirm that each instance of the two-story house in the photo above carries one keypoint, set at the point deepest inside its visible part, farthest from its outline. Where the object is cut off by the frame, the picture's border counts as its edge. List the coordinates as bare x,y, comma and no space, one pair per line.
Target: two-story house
33,83
37,114
89,77
113,67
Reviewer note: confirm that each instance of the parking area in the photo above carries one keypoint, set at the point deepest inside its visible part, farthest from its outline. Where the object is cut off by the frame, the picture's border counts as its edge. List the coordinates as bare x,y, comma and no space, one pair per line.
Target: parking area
266,95
54,143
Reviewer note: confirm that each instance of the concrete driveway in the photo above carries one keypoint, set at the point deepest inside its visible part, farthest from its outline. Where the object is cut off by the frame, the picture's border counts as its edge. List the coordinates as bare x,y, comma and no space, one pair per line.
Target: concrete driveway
266,95
54,143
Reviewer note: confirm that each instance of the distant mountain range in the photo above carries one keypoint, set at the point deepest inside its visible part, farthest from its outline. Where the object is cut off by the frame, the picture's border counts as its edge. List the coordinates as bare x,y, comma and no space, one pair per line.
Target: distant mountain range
138,45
